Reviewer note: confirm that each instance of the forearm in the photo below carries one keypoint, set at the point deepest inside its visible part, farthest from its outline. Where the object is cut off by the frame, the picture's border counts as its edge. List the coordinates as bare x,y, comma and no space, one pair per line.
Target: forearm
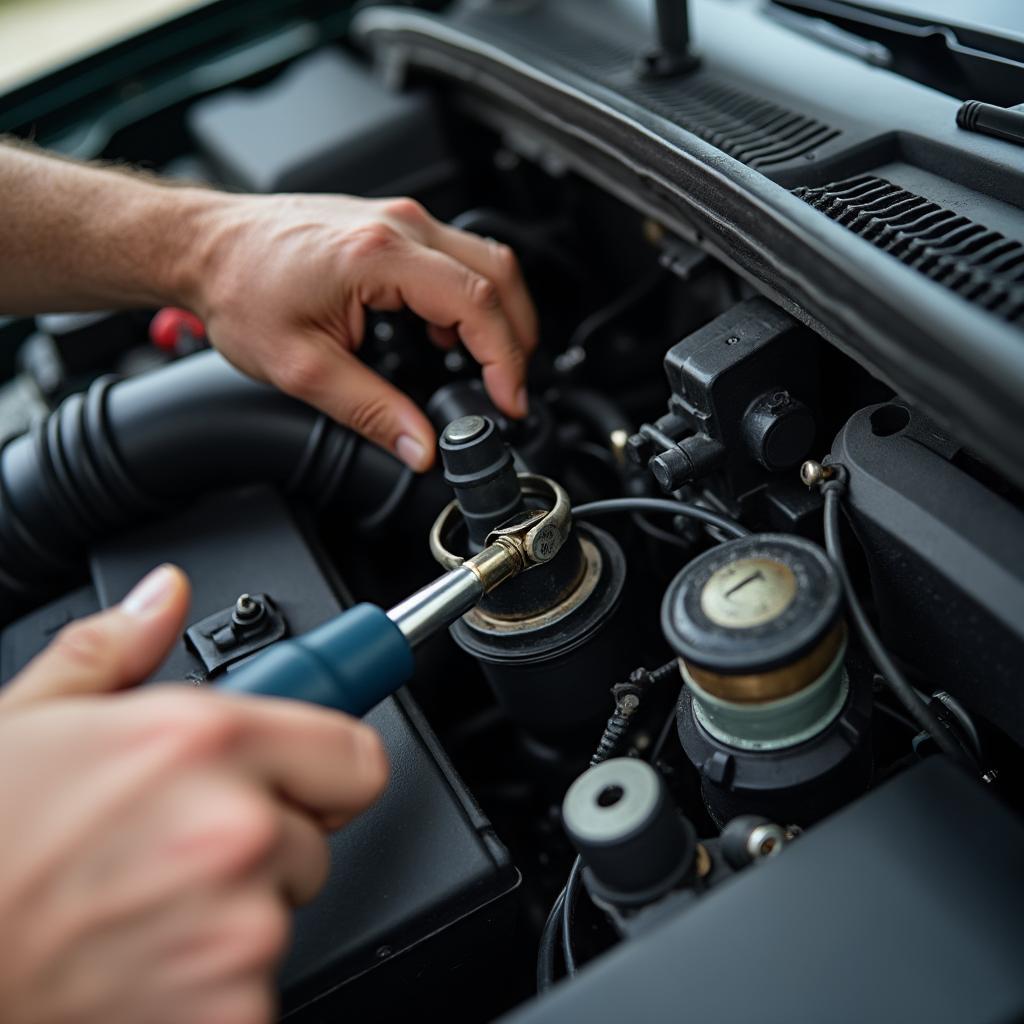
84,237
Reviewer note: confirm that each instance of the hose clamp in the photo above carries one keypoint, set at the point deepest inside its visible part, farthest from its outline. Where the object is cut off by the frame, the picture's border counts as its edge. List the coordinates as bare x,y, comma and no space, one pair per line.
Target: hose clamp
535,536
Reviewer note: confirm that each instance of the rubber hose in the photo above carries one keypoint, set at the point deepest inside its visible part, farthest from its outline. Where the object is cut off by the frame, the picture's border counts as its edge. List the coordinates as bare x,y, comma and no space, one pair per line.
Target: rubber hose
126,450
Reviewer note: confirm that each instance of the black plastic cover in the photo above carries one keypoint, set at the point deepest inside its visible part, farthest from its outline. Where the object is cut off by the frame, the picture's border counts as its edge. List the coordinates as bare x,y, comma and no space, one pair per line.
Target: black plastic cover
324,125
905,906
946,557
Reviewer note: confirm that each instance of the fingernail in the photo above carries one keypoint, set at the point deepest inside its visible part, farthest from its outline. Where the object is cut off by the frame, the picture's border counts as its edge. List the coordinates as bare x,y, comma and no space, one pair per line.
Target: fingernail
150,593
410,451
522,402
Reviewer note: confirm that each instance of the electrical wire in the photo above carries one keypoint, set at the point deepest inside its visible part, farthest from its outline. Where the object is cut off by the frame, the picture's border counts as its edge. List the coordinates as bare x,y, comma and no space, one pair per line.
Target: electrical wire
609,506
893,714
568,909
608,314
658,534
546,950
919,711
666,731
966,722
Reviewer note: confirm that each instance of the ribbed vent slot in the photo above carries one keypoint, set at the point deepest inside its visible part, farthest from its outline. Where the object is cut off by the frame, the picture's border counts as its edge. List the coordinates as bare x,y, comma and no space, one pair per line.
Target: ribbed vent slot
977,263
753,131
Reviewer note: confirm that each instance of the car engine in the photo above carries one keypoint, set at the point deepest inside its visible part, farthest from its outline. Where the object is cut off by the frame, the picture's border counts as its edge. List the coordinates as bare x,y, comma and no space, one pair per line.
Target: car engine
749,746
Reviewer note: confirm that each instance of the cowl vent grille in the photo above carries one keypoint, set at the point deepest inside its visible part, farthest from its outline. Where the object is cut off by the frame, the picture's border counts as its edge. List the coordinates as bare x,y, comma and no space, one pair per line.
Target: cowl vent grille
750,129
977,263
755,132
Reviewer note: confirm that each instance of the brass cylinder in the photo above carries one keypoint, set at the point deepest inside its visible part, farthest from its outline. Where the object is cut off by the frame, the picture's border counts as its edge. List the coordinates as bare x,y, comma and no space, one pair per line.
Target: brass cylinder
781,682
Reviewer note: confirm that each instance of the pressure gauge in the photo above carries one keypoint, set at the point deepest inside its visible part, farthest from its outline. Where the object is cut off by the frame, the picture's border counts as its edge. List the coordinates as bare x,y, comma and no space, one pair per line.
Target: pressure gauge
757,618
769,715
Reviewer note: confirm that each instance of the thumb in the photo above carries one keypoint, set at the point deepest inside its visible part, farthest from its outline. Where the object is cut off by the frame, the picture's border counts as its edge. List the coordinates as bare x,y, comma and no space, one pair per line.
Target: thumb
109,651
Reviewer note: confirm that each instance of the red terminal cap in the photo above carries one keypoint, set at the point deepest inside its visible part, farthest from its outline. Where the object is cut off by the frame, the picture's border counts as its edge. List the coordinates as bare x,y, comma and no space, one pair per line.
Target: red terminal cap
172,325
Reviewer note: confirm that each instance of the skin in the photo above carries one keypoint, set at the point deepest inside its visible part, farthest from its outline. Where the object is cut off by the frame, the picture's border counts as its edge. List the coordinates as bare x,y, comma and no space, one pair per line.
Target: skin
154,842
281,282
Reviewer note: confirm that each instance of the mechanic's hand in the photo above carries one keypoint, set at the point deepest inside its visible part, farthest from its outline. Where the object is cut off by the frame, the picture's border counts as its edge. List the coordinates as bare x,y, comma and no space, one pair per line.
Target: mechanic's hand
285,280
153,842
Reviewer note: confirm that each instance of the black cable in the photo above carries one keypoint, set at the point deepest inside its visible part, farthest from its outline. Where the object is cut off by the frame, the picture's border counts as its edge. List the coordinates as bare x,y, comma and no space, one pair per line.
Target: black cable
546,950
896,716
959,712
680,508
568,909
608,314
919,712
666,731
658,534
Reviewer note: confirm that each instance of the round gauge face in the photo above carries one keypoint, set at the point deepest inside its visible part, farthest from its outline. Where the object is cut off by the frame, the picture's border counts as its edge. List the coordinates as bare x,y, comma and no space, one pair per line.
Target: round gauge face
748,592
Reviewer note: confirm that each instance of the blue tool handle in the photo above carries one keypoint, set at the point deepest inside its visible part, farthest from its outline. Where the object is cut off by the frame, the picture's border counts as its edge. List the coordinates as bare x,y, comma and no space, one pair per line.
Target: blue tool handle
349,663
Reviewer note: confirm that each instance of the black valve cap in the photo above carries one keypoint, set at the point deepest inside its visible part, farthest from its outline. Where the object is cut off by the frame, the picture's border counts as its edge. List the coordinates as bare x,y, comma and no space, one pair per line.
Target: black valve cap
478,466
630,834
778,430
691,459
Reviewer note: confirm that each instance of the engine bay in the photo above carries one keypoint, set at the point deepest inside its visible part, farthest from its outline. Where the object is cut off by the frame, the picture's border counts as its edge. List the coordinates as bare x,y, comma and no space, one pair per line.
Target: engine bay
750,742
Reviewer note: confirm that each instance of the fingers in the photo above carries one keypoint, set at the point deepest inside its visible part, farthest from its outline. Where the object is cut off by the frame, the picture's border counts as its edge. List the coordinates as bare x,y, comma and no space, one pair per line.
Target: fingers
109,651
347,390
323,762
498,264
447,293
445,338
302,859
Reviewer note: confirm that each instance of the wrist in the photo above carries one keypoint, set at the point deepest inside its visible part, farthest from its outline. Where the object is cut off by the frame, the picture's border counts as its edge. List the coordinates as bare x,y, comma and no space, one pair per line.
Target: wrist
195,230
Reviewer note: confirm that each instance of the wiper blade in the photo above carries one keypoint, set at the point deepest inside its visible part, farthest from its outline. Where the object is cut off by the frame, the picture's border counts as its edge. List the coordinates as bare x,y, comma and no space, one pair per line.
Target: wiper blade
958,60
826,32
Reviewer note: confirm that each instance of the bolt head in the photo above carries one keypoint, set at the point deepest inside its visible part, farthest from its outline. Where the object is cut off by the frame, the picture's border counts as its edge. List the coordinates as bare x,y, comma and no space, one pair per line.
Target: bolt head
812,473
248,610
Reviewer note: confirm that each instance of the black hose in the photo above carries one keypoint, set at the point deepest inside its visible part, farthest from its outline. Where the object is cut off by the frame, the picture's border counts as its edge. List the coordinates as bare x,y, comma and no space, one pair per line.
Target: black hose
125,451
919,711
679,508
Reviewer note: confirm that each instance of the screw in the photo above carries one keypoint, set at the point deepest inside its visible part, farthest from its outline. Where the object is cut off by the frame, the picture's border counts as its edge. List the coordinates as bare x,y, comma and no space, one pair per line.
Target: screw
765,840
248,610
732,340
813,473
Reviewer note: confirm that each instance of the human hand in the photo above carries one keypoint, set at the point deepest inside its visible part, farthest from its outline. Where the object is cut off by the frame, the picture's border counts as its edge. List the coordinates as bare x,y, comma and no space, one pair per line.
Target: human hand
154,841
282,286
